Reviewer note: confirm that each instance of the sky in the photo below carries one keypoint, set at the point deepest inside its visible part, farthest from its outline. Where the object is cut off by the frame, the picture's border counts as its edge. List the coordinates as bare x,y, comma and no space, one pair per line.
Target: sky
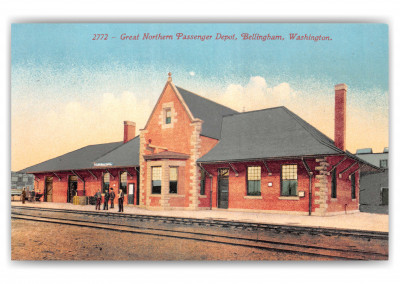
69,91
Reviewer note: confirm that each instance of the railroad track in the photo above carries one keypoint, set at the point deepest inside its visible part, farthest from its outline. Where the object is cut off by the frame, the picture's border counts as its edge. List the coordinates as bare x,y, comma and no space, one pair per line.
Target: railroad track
31,214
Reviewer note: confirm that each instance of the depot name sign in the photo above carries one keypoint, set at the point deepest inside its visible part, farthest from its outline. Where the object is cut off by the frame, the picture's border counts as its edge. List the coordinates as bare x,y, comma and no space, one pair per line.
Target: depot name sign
103,164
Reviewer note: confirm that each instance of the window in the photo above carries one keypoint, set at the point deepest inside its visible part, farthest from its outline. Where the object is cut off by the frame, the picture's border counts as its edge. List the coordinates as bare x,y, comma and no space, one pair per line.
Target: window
156,180
353,186
123,180
289,180
383,163
106,182
384,196
333,184
173,180
168,116
203,182
254,181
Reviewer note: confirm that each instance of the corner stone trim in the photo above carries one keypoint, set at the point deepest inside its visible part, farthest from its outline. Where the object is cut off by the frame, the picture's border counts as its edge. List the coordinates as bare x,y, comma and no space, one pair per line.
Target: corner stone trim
194,191
321,187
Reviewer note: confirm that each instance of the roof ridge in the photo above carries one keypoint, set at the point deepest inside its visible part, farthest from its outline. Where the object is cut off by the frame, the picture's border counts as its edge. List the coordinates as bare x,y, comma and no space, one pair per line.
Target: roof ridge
206,98
312,130
257,110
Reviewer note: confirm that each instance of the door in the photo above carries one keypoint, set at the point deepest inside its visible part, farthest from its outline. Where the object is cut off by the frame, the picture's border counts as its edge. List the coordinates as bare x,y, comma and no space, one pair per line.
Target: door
131,193
223,188
49,189
72,188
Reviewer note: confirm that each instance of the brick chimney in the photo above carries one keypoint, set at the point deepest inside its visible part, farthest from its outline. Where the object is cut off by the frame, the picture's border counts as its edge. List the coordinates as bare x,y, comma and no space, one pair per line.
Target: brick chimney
129,130
340,116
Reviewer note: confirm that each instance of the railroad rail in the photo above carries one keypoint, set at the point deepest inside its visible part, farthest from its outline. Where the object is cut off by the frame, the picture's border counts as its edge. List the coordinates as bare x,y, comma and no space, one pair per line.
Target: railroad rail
253,235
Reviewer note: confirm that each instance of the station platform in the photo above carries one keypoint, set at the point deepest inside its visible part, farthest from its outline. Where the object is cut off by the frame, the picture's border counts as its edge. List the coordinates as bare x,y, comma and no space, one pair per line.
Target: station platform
354,221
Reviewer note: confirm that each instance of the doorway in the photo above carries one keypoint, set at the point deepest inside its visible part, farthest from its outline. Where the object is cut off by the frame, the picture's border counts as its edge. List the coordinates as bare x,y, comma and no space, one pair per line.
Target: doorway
48,188
223,188
72,188
131,193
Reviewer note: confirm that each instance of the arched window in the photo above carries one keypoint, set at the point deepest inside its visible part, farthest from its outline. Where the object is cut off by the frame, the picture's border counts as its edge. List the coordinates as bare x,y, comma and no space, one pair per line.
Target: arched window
106,182
123,180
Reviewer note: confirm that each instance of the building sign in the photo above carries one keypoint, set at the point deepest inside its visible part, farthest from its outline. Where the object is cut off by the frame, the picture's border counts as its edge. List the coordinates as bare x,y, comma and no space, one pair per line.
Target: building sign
103,164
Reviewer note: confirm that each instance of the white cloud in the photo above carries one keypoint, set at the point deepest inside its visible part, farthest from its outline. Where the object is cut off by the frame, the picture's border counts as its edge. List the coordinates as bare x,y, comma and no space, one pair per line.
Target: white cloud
256,95
191,73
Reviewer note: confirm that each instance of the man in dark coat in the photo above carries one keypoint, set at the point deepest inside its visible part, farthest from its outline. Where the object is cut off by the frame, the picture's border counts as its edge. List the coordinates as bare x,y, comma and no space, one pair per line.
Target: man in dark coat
121,201
112,197
23,196
98,199
106,198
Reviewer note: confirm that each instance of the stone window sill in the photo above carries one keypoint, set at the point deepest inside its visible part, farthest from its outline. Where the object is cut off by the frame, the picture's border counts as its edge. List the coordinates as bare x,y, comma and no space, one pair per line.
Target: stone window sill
354,200
155,195
334,199
175,195
252,197
289,198
203,196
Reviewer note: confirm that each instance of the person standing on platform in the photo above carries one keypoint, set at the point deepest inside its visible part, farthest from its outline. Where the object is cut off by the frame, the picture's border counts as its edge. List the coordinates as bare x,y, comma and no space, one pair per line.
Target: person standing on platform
121,201
23,195
98,199
112,197
106,197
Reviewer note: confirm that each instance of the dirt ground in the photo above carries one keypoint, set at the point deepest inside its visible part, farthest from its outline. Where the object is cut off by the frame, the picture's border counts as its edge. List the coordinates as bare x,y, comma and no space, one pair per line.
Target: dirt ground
42,241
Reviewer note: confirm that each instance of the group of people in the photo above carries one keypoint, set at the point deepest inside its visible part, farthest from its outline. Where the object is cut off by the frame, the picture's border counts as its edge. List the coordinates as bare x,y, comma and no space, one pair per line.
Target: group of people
110,196
27,194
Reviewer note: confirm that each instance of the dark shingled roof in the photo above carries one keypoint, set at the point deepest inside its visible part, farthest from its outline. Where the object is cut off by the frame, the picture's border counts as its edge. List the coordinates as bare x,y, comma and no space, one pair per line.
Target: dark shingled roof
208,111
125,155
269,133
82,158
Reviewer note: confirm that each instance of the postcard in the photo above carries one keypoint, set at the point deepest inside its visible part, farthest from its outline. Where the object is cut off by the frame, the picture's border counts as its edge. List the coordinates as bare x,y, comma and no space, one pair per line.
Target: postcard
199,141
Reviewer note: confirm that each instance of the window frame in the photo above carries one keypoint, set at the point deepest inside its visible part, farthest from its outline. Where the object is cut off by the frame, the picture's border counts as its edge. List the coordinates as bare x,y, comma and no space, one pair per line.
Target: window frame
202,182
103,183
173,182
282,181
152,180
168,119
126,182
258,192
334,184
383,161
382,203
353,186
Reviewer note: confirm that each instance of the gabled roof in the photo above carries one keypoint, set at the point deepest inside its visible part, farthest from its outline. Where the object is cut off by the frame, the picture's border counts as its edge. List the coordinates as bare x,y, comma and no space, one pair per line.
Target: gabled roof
208,111
126,155
269,133
82,158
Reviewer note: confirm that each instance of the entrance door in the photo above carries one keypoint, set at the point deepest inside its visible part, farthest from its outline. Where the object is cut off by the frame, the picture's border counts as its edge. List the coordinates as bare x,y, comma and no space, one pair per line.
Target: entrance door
223,188
131,193
72,188
49,189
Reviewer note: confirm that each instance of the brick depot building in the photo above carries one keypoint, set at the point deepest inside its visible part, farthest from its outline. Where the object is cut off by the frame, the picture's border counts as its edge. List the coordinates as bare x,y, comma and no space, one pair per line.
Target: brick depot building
196,154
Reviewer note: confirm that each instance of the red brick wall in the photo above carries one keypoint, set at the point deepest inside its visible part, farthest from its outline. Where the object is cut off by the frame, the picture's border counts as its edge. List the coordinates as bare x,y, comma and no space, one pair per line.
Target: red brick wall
176,138
60,187
343,189
270,195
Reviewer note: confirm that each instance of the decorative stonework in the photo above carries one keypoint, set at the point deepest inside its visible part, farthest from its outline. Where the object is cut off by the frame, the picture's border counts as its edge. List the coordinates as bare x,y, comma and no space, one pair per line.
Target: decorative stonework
142,163
164,196
321,187
161,116
194,185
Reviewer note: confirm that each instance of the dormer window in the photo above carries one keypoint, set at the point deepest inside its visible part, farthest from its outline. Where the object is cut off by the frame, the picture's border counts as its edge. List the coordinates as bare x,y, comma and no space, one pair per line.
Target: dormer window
168,116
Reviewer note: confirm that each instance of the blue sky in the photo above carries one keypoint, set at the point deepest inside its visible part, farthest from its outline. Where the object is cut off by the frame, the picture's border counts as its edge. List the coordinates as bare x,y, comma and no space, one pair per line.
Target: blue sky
53,65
